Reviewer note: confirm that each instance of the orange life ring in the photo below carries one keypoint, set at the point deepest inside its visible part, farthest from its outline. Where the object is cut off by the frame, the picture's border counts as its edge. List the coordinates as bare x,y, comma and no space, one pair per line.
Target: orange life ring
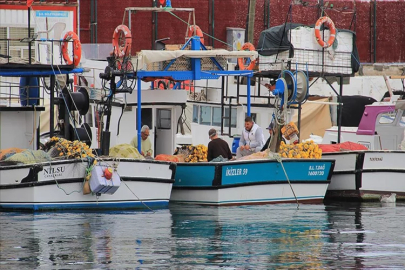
329,23
119,50
77,49
198,32
241,61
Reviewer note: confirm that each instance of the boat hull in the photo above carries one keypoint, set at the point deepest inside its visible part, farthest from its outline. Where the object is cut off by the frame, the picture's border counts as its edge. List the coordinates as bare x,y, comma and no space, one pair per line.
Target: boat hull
59,185
366,175
252,182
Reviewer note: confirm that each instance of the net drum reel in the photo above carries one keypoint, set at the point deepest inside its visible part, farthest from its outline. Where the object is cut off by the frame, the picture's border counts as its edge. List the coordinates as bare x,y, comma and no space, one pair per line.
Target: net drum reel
292,86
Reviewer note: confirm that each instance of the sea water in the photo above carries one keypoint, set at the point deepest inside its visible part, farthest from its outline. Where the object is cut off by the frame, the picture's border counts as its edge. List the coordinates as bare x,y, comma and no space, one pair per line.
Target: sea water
314,236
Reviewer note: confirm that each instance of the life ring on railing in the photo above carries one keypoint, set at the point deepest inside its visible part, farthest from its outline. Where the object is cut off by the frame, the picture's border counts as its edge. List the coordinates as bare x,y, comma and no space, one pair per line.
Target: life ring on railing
241,61
124,50
329,23
162,85
198,32
77,48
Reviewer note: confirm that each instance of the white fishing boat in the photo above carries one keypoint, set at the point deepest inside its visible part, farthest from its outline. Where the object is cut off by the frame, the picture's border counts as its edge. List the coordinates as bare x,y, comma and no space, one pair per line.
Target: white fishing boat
35,181
379,170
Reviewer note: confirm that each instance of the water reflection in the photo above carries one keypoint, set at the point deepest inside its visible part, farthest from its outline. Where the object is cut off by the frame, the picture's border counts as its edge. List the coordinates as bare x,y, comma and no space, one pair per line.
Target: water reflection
275,236
192,237
363,235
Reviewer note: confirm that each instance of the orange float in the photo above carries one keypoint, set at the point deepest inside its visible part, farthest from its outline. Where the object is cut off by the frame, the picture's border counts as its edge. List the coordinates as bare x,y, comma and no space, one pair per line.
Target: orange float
77,48
108,173
241,61
198,32
329,23
119,49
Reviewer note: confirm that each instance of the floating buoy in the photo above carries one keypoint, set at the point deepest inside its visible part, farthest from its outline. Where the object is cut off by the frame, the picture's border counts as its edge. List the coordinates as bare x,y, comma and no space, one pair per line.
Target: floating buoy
108,172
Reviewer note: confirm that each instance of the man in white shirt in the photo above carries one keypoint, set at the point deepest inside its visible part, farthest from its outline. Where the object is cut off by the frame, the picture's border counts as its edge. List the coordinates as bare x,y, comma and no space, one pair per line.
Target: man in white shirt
252,139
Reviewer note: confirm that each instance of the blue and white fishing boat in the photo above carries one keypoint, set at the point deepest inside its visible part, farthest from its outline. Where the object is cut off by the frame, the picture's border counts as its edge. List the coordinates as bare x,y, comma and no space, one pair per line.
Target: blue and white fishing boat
236,182
252,182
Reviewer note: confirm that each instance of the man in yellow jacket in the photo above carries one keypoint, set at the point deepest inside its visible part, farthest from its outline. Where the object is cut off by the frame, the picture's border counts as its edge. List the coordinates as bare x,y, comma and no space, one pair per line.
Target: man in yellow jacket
146,145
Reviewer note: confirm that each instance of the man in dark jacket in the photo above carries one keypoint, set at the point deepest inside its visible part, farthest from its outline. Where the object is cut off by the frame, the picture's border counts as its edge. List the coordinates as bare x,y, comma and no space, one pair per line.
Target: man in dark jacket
217,147
271,131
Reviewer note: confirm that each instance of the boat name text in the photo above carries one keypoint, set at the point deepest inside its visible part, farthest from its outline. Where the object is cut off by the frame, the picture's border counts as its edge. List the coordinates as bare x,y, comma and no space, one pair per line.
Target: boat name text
52,172
235,172
376,159
316,170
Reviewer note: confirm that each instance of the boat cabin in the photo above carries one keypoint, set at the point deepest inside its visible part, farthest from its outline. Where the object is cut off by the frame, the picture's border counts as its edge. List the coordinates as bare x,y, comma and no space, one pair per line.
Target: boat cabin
161,110
382,127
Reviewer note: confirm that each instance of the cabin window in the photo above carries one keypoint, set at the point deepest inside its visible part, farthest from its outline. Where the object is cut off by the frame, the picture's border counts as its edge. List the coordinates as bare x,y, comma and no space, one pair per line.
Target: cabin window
216,116
195,113
164,119
205,115
253,115
146,117
233,117
387,118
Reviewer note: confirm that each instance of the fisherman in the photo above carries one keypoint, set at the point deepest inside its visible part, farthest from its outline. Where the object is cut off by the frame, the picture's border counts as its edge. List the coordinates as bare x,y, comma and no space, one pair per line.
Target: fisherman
146,145
271,131
217,147
252,139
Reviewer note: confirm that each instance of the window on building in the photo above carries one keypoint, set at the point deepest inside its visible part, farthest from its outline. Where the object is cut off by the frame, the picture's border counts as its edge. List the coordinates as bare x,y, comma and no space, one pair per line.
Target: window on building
164,119
205,115
216,116
233,117
195,113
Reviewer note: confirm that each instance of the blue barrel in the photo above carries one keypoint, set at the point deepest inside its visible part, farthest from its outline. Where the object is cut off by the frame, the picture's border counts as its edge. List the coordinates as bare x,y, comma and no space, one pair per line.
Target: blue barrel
29,91
235,144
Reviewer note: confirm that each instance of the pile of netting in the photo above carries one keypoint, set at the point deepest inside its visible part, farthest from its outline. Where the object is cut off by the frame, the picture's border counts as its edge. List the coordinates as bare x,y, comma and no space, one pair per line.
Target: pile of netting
307,149
125,151
191,153
25,156
65,149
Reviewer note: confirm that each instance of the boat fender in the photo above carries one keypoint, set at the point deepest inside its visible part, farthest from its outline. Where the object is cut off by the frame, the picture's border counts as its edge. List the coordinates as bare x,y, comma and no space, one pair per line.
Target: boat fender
198,32
241,61
329,23
119,49
77,49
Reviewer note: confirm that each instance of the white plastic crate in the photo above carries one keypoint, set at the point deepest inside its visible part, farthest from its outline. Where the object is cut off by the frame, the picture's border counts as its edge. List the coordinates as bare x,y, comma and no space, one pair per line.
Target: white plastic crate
99,184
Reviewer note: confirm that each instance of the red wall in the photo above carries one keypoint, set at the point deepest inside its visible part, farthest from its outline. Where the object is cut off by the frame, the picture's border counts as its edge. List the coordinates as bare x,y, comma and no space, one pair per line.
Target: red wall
232,13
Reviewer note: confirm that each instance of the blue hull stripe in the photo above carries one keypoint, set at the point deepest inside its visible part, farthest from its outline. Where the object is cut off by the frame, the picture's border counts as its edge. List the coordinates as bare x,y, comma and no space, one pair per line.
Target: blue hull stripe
223,174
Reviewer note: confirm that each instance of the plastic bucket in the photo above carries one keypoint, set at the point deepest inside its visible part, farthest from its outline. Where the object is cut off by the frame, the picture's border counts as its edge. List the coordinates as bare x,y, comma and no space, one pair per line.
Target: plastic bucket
29,91
235,144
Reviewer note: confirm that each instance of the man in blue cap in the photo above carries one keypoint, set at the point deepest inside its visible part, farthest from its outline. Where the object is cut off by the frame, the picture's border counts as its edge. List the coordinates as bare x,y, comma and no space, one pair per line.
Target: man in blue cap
271,131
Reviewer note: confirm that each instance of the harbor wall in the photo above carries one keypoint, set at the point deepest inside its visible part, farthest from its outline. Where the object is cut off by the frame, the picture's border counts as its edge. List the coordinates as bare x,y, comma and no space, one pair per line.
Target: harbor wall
380,40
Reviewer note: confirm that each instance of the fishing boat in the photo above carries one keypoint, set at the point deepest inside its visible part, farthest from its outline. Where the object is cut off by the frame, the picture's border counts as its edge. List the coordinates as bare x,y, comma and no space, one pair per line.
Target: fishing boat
379,168
252,182
92,179
194,62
